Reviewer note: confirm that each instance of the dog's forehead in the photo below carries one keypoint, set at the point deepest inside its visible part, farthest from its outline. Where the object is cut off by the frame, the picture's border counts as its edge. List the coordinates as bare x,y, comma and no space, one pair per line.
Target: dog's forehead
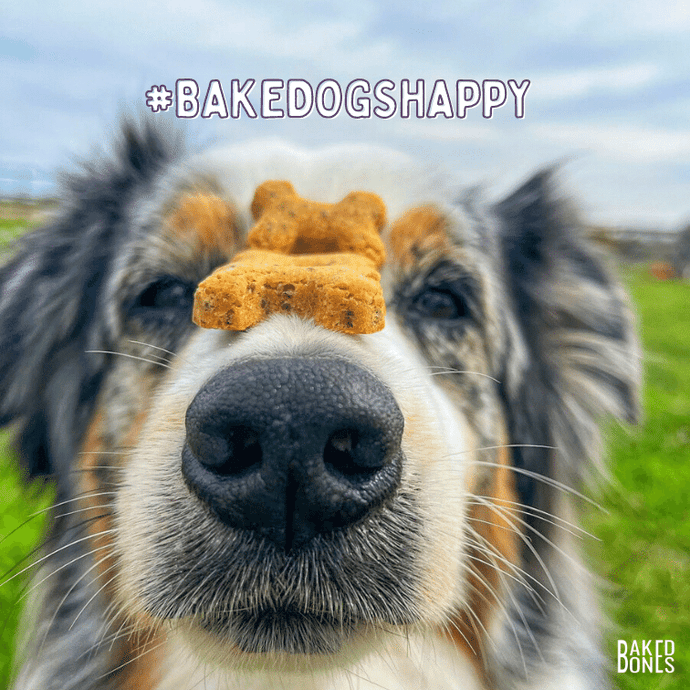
232,174
327,174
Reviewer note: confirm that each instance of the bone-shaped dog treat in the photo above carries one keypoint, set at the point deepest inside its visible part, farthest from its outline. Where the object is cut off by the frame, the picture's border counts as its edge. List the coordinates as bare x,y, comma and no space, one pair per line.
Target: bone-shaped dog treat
308,258
287,223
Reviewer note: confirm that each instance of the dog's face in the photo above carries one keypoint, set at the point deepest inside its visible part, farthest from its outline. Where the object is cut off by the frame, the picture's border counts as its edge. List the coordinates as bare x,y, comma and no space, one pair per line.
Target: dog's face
294,498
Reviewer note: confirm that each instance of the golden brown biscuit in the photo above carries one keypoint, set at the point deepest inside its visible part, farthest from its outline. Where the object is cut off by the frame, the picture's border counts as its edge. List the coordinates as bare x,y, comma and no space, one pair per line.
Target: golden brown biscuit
307,258
287,223
339,291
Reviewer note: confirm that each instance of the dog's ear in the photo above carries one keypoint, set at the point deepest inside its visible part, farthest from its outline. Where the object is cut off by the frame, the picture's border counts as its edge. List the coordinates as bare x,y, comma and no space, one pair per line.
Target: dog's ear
572,321
51,306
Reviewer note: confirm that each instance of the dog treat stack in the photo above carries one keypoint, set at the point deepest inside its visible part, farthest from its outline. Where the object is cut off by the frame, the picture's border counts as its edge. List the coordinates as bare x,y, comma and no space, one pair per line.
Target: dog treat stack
308,258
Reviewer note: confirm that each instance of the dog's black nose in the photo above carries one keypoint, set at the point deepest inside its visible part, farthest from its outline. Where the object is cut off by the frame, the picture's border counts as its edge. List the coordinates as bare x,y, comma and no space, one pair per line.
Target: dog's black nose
293,447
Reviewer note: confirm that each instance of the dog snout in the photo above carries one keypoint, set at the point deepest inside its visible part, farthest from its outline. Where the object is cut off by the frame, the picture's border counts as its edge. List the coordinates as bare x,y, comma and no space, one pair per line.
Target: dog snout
291,448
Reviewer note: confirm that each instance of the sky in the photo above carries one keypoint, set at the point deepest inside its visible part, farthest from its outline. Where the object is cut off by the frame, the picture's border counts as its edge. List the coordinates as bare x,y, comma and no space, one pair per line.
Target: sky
608,92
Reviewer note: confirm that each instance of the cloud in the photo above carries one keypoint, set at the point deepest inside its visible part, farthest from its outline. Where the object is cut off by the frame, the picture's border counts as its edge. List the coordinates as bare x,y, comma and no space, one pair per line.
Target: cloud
578,83
606,78
443,131
624,142
647,18
211,28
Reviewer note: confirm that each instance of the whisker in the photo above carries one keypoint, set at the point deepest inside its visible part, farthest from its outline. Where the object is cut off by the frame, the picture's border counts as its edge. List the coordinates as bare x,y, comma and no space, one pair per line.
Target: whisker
521,576
36,585
99,590
528,543
498,509
110,618
43,511
174,355
440,371
547,517
40,547
529,473
474,616
66,596
124,631
102,452
366,679
62,548
130,356
450,625
152,346
134,659
505,445
491,551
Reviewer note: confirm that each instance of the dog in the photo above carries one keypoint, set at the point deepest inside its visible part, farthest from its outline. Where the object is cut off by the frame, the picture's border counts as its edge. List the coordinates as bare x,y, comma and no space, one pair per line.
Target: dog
291,506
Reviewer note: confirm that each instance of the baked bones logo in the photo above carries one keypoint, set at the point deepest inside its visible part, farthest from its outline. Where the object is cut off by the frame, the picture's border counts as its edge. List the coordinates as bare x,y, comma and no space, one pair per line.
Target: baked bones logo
646,656
358,99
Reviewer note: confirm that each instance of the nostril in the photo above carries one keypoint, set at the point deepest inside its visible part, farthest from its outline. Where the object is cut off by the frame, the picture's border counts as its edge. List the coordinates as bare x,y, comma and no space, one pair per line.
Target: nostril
346,453
343,441
227,451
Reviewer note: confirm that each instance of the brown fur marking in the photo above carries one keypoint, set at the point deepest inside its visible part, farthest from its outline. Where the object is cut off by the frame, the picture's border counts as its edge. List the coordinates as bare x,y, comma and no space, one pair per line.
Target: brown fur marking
133,651
416,233
498,532
206,218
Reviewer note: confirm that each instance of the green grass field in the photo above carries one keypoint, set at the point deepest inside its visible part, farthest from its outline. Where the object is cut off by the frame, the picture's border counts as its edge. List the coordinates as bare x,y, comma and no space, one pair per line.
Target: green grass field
644,526
645,531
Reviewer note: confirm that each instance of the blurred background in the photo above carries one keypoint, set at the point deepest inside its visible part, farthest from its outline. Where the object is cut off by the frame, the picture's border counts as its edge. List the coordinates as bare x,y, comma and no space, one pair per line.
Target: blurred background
610,84
609,96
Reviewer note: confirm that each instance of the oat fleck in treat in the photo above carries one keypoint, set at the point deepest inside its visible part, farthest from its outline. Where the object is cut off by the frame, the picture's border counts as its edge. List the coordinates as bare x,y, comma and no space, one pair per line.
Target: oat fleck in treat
313,259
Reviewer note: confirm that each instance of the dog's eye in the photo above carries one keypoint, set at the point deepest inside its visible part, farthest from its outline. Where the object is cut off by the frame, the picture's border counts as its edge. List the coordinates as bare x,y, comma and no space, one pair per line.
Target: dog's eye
165,295
440,302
